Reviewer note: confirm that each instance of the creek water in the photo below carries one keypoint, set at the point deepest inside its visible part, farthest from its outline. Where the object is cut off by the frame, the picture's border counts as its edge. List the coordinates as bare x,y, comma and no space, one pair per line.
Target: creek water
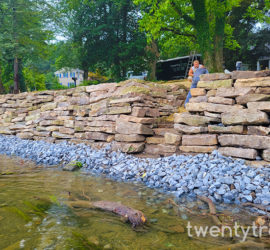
34,213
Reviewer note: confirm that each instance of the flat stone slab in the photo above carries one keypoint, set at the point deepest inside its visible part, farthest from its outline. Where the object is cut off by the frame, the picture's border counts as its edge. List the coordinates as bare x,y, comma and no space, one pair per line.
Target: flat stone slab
190,129
266,155
160,149
193,120
215,84
129,138
246,153
226,130
198,99
253,82
125,127
215,76
221,100
212,107
249,74
263,106
172,138
258,130
130,148
252,98
197,92
155,140
234,92
199,140
245,117
246,141
197,149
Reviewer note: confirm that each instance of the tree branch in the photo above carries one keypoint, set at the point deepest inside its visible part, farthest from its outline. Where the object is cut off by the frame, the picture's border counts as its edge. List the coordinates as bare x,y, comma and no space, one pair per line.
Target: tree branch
177,32
187,18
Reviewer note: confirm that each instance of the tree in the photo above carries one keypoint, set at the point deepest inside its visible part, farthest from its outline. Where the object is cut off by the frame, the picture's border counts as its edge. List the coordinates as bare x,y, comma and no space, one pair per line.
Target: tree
23,34
106,32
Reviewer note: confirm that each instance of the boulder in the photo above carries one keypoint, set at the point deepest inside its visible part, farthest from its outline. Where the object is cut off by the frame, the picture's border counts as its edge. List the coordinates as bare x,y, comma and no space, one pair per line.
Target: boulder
193,120
129,138
185,129
171,138
215,76
199,140
197,92
245,117
253,82
125,127
258,130
266,155
264,106
246,153
249,74
197,149
234,92
226,130
246,141
215,84
252,98
212,107
221,100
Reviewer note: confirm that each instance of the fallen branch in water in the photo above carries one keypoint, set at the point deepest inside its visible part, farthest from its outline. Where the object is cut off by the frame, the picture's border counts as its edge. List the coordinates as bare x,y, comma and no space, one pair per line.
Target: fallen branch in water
135,217
170,201
212,209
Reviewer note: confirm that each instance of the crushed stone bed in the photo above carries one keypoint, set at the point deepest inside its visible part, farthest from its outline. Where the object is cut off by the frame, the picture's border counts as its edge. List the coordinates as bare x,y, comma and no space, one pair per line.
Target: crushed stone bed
222,179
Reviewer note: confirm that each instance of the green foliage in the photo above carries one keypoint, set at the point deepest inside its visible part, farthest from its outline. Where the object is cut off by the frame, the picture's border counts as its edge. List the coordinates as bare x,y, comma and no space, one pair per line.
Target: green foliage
34,80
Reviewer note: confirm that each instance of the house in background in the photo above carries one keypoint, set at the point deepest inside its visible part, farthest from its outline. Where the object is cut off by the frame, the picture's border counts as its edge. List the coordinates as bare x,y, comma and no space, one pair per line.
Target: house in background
65,76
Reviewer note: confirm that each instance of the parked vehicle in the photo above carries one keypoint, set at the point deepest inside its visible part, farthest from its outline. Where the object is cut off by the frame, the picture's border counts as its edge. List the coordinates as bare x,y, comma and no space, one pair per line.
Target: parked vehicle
141,75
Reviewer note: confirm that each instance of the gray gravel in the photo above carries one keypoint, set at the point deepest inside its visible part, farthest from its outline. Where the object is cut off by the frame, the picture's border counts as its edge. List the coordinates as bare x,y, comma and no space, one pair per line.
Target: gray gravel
223,179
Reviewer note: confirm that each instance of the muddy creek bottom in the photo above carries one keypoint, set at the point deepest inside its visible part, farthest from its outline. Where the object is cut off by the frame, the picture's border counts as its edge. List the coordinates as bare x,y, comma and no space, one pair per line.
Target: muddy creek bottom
34,213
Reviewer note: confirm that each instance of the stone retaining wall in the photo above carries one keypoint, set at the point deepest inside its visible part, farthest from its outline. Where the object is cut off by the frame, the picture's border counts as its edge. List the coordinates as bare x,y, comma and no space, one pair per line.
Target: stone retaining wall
123,114
228,112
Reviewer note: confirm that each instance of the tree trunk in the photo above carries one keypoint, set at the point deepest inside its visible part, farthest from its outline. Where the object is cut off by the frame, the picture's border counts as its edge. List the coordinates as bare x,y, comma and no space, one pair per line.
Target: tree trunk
16,76
2,89
85,74
219,40
202,28
153,48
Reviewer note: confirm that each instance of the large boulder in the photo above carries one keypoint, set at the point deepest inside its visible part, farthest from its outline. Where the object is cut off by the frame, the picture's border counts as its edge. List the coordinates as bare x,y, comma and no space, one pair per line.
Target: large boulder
234,92
253,82
215,76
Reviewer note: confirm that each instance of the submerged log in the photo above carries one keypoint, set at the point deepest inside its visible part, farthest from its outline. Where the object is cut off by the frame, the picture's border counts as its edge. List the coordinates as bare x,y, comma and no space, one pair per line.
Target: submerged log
135,217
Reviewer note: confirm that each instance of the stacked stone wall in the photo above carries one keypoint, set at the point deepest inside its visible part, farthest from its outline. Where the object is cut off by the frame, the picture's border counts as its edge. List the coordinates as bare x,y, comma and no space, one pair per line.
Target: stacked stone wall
228,112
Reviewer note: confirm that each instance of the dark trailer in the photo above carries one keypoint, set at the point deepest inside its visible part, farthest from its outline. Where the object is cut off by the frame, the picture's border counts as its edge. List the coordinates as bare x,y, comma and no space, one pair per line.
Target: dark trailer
174,68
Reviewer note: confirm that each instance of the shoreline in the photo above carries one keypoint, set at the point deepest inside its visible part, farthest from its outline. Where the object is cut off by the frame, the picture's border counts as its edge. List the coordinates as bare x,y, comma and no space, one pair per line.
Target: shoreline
222,179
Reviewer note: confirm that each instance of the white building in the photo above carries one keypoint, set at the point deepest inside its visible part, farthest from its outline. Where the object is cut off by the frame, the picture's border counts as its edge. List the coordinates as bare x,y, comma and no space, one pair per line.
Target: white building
65,76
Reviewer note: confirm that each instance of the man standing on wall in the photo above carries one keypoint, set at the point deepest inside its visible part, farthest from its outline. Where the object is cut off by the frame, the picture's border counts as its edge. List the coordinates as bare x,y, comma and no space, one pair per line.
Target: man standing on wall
194,75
